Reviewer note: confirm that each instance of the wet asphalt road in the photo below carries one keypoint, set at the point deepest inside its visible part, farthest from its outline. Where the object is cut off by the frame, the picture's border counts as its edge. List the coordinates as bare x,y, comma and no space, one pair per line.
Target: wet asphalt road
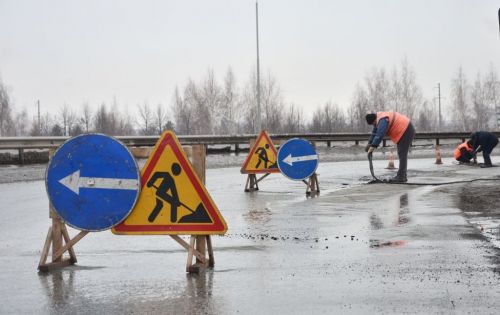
357,248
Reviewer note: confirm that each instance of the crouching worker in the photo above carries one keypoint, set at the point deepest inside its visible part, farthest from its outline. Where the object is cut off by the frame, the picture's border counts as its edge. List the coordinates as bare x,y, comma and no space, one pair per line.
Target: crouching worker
464,153
483,141
401,131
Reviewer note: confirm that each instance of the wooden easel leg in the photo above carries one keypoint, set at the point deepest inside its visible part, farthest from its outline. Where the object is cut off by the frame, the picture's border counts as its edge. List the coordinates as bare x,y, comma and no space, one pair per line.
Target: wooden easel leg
67,239
201,247
312,185
252,183
57,238
198,246
57,248
46,248
211,260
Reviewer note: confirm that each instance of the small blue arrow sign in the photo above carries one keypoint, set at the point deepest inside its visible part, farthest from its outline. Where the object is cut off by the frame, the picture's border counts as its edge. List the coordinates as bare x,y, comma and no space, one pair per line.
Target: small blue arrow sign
297,159
93,182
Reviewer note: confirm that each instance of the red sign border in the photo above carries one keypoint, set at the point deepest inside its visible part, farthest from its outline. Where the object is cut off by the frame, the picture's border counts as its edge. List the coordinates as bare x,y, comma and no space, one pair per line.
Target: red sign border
219,225
252,151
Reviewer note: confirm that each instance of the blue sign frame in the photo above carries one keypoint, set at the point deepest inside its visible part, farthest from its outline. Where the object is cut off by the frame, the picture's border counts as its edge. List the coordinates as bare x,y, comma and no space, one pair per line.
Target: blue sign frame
297,159
93,182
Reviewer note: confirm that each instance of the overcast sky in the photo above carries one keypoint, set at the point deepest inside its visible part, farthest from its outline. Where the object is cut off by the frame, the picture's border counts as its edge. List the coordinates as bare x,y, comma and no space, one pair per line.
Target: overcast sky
76,51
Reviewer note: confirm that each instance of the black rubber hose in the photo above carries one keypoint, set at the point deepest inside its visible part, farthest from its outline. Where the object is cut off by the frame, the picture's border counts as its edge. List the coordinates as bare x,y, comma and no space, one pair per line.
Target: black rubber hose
376,180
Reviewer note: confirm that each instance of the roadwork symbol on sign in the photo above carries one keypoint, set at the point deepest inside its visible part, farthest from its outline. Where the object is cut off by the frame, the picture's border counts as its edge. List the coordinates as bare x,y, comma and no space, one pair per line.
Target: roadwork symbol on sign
92,182
173,200
297,159
262,157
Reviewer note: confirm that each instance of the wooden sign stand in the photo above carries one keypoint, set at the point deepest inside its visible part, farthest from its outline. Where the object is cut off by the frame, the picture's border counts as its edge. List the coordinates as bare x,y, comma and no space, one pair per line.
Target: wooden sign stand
55,236
199,245
253,182
312,185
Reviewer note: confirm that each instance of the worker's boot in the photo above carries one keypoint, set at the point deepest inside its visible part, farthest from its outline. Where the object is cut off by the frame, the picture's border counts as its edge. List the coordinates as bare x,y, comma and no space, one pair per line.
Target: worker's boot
399,178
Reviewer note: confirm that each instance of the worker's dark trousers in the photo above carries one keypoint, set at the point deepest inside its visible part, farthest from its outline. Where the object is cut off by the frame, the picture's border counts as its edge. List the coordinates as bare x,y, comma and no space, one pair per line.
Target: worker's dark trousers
404,145
487,148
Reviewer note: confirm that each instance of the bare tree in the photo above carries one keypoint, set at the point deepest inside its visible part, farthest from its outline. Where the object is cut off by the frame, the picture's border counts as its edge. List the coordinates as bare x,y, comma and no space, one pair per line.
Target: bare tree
44,127
328,118
228,110
377,90
160,118
101,119
125,125
67,118
294,119
358,109
272,103
86,117
249,103
480,109
183,114
408,93
5,111
492,94
459,100
427,118
145,118
20,123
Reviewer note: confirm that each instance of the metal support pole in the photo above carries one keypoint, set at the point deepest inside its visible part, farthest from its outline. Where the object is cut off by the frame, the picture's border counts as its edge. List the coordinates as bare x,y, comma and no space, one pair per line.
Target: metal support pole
259,118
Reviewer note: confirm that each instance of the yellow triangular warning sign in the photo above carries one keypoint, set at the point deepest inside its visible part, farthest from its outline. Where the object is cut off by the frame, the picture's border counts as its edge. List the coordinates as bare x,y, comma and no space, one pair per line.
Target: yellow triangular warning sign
262,157
173,200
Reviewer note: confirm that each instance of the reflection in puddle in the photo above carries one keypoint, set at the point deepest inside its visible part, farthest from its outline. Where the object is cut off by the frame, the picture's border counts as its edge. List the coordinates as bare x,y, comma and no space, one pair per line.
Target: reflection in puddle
379,243
260,216
404,210
376,222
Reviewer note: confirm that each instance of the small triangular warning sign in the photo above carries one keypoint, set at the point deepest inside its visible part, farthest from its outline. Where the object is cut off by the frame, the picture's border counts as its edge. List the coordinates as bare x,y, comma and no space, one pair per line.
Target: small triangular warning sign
173,200
262,157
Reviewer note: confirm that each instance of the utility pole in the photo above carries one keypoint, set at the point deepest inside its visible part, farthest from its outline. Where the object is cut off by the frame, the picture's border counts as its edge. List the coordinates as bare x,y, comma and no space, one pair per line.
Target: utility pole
439,106
39,123
259,119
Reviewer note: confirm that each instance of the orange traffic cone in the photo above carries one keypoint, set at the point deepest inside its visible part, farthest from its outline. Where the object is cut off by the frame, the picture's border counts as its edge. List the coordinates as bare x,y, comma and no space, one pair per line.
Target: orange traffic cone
438,155
391,166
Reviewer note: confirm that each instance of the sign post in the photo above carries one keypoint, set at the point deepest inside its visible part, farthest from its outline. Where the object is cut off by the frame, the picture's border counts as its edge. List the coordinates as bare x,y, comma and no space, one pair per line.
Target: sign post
174,201
260,160
93,183
298,160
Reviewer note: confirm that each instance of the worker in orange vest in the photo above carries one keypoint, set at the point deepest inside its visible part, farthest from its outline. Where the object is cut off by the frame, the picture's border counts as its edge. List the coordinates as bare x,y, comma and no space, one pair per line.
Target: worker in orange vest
464,153
401,131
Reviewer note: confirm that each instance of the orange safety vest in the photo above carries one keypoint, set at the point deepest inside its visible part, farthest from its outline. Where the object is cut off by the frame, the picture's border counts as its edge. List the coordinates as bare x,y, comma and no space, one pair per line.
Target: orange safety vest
457,152
397,124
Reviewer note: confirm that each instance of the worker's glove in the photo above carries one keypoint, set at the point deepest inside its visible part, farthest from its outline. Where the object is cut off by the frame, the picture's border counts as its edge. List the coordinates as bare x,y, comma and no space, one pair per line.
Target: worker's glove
370,150
368,146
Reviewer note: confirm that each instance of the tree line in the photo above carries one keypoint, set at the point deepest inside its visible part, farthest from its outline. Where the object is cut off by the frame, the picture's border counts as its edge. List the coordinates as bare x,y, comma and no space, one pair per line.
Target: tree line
210,106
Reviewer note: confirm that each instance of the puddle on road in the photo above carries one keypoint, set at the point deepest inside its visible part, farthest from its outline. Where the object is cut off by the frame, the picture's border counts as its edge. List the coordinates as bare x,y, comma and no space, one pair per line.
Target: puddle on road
479,202
381,244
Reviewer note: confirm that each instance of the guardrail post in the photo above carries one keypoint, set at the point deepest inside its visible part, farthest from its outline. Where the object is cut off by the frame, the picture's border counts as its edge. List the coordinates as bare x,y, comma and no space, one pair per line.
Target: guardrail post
437,141
21,156
384,143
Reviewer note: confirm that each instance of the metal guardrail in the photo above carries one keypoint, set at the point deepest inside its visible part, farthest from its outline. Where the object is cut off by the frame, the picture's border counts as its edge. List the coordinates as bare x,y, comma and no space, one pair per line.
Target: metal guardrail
17,143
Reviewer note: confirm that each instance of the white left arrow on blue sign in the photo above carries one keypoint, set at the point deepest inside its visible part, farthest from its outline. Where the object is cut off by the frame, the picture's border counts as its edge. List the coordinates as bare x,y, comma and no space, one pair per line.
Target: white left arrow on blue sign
75,182
292,159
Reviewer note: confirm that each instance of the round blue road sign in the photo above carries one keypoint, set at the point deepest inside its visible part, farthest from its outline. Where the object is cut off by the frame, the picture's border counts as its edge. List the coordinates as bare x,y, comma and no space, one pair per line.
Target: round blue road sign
297,159
93,182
